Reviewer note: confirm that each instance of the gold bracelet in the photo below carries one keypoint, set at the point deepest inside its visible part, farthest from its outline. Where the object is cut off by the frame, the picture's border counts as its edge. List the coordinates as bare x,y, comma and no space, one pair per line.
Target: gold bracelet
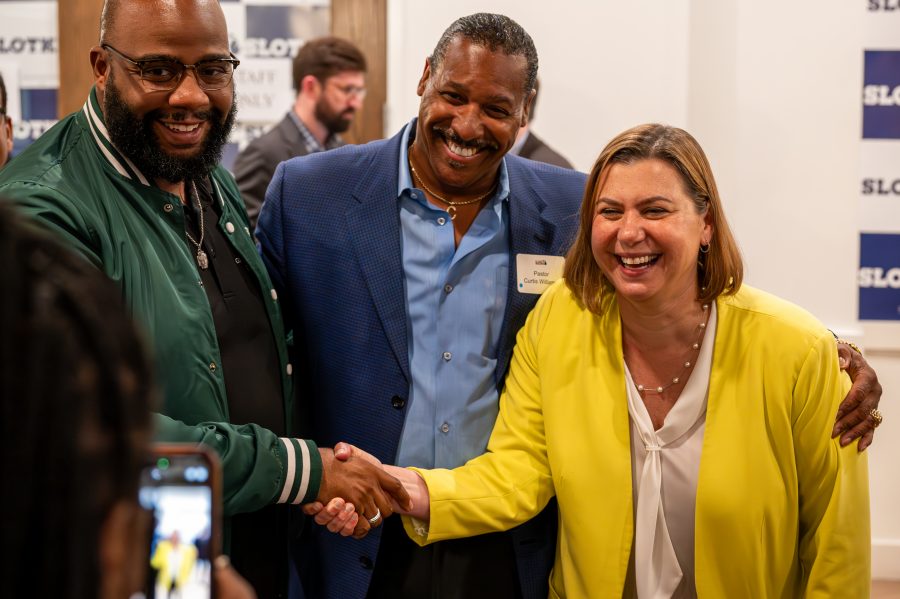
851,344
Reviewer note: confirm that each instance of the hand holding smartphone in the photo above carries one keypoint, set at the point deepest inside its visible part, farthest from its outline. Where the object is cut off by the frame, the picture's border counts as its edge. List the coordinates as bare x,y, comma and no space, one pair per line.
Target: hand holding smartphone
181,488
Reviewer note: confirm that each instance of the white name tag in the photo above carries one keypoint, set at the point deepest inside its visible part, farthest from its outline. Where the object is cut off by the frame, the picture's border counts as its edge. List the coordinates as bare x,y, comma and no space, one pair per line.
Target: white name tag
534,274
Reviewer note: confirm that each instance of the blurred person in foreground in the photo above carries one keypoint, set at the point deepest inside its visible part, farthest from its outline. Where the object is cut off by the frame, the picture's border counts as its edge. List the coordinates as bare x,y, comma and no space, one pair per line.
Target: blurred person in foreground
132,183
330,80
76,390
6,129
681,419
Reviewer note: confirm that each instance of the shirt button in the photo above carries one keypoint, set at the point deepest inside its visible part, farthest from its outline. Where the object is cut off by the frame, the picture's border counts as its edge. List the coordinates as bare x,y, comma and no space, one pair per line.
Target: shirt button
168,208
237,260
414,196
441,220
289,369
212,366
398,402
445,428
229,227
447,356
366,562
274,294
448,288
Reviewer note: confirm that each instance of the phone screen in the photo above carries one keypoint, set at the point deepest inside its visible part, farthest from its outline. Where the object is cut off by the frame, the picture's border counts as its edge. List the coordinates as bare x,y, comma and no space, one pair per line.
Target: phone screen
178,488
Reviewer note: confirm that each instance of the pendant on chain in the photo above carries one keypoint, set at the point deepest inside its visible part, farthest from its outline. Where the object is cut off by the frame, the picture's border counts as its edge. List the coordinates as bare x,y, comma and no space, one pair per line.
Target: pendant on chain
202,260
451,210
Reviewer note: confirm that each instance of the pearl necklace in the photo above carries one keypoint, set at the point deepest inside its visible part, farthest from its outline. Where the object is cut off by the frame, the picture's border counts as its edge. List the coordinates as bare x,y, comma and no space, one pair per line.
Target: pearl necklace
451,204
695,348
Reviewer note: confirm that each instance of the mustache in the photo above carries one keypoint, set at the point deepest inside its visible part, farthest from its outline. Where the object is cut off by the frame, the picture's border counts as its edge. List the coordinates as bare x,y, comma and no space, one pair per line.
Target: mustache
476,144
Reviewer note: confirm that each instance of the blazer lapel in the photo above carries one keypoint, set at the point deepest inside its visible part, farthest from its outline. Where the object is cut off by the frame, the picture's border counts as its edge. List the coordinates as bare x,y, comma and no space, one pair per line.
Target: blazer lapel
373,223
530,233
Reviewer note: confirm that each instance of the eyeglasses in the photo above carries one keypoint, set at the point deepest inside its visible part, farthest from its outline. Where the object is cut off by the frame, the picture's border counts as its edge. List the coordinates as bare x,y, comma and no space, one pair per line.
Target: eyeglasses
351,91
163,75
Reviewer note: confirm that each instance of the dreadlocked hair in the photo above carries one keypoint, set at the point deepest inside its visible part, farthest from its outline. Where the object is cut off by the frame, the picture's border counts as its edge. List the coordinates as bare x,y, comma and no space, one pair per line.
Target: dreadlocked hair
75,394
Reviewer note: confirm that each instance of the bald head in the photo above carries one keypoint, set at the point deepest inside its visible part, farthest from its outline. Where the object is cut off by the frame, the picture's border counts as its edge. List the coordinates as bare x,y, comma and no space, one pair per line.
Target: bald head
114,10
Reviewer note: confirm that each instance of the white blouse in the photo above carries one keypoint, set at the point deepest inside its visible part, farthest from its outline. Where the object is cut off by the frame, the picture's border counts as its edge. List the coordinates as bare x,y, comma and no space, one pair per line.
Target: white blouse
665,464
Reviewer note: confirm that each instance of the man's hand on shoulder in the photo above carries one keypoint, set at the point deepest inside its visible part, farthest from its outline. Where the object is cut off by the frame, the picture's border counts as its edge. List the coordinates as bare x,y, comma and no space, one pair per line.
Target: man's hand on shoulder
858,414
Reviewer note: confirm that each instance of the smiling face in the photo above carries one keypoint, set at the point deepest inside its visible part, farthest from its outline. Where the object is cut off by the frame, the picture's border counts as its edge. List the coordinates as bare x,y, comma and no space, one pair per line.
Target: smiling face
472,106
646,233
168,134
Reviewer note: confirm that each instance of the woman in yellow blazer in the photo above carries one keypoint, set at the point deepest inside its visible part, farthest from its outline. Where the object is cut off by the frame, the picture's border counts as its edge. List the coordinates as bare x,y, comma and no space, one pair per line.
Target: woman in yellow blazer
682,420
175,562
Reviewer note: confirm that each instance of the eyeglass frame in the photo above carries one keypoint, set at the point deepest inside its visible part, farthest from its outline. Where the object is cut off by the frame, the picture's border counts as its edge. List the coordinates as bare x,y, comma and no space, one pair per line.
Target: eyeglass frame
349,91
184,68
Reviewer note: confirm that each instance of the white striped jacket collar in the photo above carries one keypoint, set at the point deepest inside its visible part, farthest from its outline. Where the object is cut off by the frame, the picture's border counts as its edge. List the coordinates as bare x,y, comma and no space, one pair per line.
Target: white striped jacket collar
97,126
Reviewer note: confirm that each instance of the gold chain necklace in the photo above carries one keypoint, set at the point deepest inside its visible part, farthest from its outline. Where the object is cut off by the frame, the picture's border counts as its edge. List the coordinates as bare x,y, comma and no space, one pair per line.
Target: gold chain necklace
202,258
695,347
451,204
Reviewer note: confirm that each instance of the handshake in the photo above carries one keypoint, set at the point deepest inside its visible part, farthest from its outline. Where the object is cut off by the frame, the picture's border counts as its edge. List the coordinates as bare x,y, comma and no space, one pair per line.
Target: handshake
357,492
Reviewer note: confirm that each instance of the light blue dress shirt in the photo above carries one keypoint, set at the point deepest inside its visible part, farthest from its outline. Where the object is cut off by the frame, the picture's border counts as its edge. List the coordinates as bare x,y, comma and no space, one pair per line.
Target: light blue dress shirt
456,298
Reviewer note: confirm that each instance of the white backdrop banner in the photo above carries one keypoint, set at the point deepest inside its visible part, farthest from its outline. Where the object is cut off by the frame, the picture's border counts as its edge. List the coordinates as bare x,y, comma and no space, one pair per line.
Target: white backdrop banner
879,200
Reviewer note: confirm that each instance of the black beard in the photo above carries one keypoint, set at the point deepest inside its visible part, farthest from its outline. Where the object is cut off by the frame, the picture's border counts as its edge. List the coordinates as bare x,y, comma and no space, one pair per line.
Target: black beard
134,137
335,123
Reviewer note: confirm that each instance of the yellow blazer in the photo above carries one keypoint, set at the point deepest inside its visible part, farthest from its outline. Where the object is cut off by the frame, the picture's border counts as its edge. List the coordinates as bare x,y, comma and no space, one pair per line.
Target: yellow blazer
782,510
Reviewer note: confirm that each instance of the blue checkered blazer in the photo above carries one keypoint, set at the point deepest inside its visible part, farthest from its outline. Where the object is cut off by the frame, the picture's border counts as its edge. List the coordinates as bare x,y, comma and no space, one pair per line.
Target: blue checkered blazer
329,233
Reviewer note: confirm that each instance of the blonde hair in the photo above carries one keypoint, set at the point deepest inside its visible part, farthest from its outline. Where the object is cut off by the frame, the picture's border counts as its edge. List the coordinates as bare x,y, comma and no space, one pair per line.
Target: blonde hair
719,271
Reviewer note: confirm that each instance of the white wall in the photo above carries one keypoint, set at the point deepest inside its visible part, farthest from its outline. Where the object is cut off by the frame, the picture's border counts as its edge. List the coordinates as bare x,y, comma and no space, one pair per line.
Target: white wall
771,89
611,66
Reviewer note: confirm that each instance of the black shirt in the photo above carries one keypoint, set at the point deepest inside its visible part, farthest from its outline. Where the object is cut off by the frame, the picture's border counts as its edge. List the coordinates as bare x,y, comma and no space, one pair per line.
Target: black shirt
252,372
260,541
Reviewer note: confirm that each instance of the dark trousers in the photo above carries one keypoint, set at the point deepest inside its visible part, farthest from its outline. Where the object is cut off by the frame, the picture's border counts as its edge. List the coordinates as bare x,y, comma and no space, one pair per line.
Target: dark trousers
260,549
482,566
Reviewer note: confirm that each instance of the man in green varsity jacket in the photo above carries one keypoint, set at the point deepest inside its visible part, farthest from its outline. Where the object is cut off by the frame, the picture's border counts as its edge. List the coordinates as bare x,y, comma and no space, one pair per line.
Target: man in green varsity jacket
131,181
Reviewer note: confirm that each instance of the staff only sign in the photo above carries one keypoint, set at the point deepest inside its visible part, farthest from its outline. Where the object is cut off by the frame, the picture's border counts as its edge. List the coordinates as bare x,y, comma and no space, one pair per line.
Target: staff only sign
265,35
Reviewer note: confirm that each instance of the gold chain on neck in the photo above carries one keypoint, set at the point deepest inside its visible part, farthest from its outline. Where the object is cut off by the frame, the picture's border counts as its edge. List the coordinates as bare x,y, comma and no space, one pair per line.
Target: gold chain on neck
451,210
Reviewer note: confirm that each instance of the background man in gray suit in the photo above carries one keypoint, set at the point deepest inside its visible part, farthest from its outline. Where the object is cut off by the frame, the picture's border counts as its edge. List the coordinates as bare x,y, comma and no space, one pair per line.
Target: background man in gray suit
330,78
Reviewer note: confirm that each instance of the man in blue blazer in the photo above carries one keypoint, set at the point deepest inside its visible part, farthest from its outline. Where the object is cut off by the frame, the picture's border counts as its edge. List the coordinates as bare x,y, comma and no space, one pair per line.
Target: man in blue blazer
407,266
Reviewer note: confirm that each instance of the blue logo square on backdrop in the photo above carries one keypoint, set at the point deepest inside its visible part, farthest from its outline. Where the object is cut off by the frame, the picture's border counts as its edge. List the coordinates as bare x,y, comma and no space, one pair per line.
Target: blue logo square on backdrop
879,276
881,95
269,21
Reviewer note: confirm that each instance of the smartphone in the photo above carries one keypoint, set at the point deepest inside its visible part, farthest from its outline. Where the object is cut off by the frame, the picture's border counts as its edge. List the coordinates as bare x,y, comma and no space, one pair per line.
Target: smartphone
181,489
